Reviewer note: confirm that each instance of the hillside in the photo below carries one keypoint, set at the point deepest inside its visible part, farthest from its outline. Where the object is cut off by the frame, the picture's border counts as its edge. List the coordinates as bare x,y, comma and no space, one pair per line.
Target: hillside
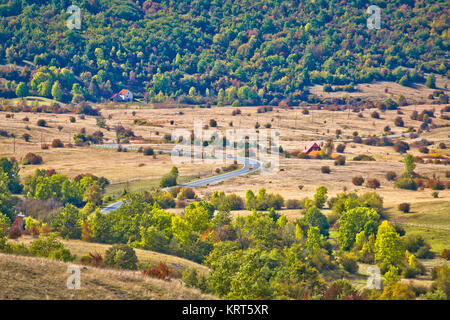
32,278
253,52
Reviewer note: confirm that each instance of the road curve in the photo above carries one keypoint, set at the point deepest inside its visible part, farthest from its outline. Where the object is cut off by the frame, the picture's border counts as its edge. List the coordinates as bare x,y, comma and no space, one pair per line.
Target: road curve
250,165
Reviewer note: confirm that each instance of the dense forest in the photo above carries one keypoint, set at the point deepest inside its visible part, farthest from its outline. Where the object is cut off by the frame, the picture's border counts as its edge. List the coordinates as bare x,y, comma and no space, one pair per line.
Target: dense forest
218,51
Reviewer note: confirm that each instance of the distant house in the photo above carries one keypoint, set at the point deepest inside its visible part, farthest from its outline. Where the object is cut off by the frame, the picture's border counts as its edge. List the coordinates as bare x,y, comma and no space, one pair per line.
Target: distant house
313,146
123,95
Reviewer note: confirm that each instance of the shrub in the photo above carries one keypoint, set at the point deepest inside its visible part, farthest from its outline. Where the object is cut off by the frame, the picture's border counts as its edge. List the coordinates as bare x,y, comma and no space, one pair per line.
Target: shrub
293,204
62,254
26,137
72,119
399,122
363,157
372,183
424,150
340,161
401,146
435,184
445,254
340,148
425,252
148,151
168,180
31,158
375,115
186,193
442,145
391,175
121,256
56,143
212,123
92,259
325,169
358,180
43,247
349,263
404,207
405,183
15,232
41,123
160,271
435,194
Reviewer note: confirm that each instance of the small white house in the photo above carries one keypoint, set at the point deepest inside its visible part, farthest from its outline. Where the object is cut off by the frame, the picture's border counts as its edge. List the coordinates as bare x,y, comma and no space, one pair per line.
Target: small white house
123,95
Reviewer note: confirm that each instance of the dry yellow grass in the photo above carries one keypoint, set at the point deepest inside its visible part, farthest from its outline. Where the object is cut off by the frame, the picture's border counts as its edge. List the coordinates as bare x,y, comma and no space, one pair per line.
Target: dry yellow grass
30,278
81,248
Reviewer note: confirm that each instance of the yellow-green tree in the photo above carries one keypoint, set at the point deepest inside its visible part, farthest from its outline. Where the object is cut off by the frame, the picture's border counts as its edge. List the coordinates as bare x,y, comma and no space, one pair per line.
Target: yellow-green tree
389,250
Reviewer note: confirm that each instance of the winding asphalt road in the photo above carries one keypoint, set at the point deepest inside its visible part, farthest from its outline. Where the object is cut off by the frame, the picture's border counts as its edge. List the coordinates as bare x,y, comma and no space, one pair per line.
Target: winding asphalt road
250,165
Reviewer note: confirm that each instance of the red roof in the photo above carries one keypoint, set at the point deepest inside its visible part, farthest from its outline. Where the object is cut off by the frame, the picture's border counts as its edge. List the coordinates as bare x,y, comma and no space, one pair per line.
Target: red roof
123,91
312,146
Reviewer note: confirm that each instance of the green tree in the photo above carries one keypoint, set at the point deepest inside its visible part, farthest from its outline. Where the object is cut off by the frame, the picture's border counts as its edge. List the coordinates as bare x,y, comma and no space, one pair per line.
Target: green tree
121,256
22,90
353,222
315,218
409,165
68,222
320,197
57,91
431,81
389,250
93,194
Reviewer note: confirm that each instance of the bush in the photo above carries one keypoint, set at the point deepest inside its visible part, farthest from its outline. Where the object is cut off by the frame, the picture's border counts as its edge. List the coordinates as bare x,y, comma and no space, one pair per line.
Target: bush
349,263
31,158
358,181
340,148
404,207
56,143
442,145
186,193
340,161
121,256
424,150
61,254
405,183
435,194
26,137
160,271
168,180
92,259
148,151
375,115
43,247
41,123
445,254
212,123
373,183
293,204
363,157
425,252
401,146
391,175
15,232
399,122
325,169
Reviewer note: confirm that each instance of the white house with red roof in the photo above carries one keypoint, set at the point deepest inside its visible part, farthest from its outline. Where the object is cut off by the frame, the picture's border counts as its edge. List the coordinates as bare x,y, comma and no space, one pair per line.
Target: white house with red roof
123,95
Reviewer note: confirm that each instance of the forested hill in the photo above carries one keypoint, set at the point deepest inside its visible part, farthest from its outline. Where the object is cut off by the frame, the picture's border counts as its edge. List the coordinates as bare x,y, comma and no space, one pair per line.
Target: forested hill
195,50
